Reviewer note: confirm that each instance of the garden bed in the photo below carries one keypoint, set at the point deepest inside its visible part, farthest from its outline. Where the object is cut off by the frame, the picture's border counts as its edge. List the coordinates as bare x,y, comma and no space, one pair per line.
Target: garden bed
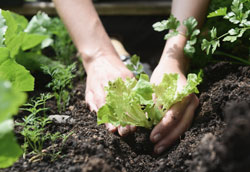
217,141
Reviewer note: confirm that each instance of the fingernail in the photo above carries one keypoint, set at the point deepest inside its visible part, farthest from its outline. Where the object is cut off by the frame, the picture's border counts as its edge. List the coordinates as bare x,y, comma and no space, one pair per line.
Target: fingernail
160,149
157,137
110,127
123,131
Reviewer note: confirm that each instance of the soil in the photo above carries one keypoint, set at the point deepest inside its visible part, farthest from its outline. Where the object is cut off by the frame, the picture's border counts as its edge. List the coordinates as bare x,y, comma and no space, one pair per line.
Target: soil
218,139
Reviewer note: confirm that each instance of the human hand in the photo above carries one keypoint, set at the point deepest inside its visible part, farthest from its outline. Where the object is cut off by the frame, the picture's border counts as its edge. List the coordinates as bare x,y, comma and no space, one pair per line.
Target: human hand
100,71
179,117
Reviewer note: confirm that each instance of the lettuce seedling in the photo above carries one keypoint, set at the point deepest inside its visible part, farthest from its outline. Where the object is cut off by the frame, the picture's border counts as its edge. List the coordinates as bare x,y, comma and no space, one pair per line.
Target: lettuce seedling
131,102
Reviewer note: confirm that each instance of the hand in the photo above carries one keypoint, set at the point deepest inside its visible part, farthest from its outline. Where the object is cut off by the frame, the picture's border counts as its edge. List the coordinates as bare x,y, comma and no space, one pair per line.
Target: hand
179,117
100,71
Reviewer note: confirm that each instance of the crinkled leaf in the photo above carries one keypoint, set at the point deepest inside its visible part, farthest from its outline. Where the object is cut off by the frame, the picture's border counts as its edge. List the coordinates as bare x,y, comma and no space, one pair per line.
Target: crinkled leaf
219,12
131,102
125,102
166,91
144,90
20,78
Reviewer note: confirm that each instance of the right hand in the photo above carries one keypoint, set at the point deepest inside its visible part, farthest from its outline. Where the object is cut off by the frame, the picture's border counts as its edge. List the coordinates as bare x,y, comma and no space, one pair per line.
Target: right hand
100,71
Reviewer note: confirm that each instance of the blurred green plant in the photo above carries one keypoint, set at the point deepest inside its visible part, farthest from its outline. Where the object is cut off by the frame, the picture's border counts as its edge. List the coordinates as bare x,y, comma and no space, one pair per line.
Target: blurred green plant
10,100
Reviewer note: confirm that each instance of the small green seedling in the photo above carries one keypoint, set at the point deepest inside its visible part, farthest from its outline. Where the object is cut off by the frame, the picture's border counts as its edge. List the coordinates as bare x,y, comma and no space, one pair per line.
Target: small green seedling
135,66
131,102
61,83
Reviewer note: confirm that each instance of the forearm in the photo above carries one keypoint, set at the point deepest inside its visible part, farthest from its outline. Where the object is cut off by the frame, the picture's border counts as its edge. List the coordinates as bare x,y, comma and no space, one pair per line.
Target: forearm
85,28
183,9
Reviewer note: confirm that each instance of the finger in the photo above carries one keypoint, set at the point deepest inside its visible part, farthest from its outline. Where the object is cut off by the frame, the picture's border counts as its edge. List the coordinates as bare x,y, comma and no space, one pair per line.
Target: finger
123,131
132,128
89,97
99,97
110,127
180,128
172,117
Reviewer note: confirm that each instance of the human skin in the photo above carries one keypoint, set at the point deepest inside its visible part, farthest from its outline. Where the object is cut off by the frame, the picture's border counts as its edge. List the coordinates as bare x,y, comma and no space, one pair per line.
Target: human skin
102,64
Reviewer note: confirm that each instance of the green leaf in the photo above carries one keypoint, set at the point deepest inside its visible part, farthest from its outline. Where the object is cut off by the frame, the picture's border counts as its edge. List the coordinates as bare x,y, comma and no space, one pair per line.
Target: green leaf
206,45
10,150
166,90
4,54
215,44
172,24
144,90
20,20
10,100
11,24
213,33
32,40
171,34
234,34
14,44
20,78
131,102
190,23
189,49
191,87
219,12
39,24
160,26
135,59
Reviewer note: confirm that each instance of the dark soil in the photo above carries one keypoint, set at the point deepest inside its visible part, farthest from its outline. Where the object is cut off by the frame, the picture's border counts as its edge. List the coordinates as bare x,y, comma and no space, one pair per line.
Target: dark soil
218,140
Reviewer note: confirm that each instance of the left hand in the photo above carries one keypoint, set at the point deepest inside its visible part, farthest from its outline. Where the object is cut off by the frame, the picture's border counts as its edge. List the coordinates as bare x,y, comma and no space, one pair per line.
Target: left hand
179,117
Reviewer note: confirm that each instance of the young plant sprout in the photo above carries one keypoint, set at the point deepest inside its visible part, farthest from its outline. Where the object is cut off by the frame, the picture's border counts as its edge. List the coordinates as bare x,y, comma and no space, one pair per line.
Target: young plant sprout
61,82
34,130
131,102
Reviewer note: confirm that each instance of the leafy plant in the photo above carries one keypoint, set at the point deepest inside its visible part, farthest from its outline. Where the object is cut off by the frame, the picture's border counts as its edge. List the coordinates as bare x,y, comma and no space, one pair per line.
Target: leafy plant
33,126
131,102
10,100
172,24
15,41
135,66
237,16
61,82
58,37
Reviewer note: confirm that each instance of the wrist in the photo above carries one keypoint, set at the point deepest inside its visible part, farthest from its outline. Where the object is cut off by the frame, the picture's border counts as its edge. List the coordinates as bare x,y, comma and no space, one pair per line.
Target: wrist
173,53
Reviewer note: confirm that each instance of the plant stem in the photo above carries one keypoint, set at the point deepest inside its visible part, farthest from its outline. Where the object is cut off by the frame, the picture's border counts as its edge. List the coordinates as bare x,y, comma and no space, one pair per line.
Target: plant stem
233,57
